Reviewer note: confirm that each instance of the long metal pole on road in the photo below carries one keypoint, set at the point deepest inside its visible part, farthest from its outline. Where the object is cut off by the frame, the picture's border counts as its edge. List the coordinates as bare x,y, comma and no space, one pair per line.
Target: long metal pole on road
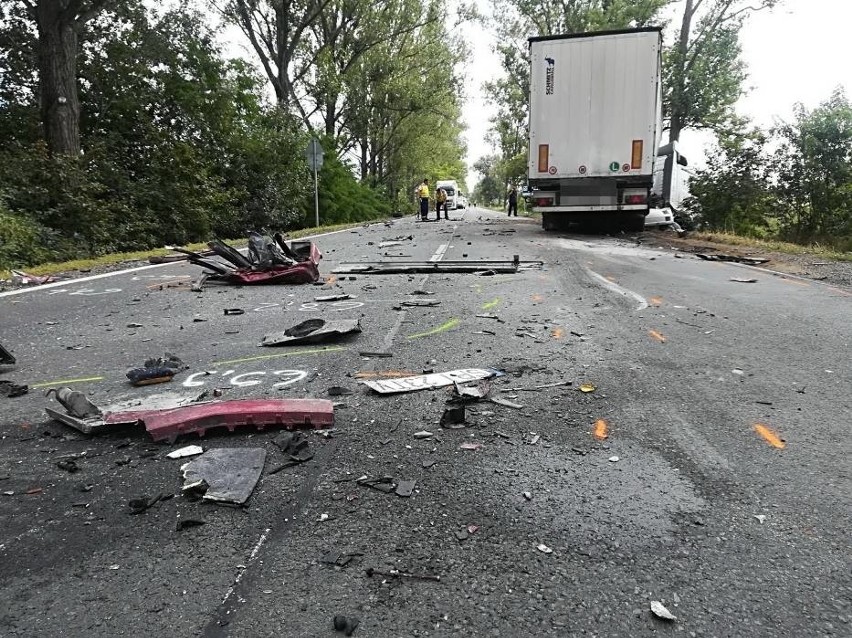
316,194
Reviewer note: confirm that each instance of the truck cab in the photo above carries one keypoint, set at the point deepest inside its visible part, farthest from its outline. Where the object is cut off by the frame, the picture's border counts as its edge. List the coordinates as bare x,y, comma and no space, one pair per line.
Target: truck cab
452,188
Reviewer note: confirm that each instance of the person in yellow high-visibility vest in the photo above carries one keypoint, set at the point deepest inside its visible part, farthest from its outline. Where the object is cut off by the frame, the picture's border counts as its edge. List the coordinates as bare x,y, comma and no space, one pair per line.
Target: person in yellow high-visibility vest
422,191
441,202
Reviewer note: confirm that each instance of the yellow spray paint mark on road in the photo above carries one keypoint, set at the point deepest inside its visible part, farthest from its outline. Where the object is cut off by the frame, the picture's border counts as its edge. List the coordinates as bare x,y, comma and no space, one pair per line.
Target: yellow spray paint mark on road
587,388
656,335
385,374
293,353
656,301
492,304
769,436
601,429
452,323
558,333
537,298
48,384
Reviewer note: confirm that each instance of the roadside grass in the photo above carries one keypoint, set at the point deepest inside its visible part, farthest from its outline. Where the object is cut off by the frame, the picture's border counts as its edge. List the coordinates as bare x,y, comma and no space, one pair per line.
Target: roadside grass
788,248
52,268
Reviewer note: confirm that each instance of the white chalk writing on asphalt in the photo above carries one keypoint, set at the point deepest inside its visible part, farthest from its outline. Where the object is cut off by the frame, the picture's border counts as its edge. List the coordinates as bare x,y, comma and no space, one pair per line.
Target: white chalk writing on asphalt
281,378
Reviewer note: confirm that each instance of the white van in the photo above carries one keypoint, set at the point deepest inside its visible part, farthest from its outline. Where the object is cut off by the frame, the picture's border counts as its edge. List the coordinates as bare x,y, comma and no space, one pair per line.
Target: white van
452,188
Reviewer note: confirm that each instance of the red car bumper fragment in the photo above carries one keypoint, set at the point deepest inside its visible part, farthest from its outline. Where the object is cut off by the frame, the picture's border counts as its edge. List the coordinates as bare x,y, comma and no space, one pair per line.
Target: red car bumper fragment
305,272
259,413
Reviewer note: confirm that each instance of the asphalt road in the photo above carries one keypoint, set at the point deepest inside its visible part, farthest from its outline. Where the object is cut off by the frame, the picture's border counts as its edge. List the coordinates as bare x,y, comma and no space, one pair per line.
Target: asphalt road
708,470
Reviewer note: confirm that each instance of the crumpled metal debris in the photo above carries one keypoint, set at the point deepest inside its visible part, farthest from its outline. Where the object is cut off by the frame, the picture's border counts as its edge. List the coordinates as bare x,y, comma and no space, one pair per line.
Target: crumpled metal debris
6,357
660,611
159,370
313,331
21,278
429,381
271,260
76,403
230,473
12,390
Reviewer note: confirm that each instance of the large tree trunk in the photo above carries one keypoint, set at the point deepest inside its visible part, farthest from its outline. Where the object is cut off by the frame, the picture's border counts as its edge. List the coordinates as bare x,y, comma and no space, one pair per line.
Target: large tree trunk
57,53
679,76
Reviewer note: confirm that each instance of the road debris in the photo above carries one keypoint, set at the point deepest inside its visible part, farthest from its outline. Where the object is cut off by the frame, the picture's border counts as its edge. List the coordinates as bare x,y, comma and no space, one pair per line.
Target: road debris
346,624
660,611
752,261
234,311
6,357
13,390
527,495
740,280
333,298
470,446
614,459
230,473
423,434
338,391
186,523
444,266
189,450
143,504
429,381
271,260
405,488
761,518
295,446
339,559
21,278
473,392
69,465
538,388
76,403
506,403
587,388
544,549
428,303
160,370
395,573
384,484
167,423
313,331
375,355
453,415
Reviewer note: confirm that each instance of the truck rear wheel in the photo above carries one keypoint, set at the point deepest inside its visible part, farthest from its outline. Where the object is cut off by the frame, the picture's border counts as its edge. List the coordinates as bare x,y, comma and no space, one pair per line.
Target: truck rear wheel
549,221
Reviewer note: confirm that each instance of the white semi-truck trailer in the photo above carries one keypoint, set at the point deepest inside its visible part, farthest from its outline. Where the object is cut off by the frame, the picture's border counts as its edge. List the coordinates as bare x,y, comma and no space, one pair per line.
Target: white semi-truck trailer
594,126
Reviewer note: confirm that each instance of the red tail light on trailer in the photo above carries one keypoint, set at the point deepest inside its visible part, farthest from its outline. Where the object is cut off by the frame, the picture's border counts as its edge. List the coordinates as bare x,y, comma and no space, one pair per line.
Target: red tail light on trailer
635,199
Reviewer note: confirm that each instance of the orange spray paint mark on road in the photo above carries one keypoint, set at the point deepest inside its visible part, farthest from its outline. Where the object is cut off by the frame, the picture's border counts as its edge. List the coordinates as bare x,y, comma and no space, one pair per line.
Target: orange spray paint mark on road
601,429
610,278
557,333
656,301
537,298
769,436
656,335
331,279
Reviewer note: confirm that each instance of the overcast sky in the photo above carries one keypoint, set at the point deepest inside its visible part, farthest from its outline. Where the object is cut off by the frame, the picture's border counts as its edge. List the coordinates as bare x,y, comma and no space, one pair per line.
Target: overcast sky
796,53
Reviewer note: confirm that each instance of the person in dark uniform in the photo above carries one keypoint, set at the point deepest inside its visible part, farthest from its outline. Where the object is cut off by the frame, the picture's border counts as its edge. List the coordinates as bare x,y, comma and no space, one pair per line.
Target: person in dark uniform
513,201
